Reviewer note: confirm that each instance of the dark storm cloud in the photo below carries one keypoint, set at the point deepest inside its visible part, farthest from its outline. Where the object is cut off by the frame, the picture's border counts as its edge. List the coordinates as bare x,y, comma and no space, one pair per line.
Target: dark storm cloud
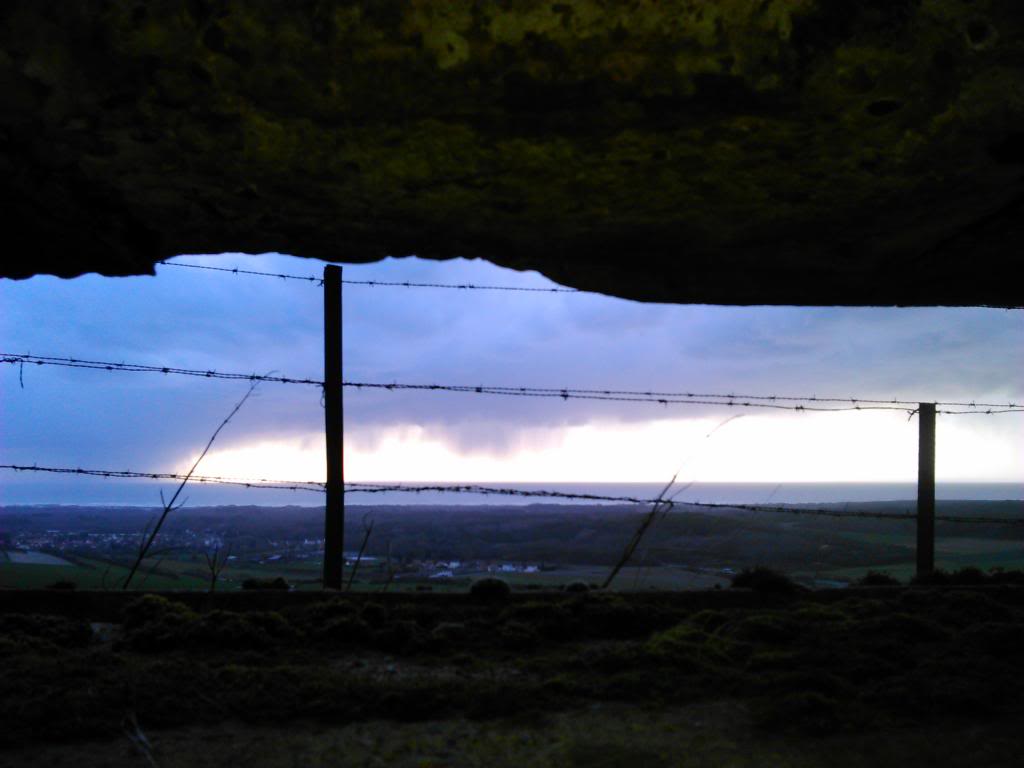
210,320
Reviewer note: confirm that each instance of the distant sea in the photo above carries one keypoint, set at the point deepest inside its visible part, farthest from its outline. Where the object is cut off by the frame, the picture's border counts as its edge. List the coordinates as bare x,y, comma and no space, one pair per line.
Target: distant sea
87,491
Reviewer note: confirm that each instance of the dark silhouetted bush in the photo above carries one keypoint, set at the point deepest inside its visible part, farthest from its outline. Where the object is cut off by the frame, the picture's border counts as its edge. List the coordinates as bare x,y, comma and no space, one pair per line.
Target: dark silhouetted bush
153,623
816,613
769,629
577,586
518,636
552,620
609,754
1003,576
374,614
708,620
938,577
150,608
964,607
400,637
1002,641
343,630
448,633
490,589
807,711
969,576
765,580
693,650
34,629
238,631
62,584
275,583
877,579
898,632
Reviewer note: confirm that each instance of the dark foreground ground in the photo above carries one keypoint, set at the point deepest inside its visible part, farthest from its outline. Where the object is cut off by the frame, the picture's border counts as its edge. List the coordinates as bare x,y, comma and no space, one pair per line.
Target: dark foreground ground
876,677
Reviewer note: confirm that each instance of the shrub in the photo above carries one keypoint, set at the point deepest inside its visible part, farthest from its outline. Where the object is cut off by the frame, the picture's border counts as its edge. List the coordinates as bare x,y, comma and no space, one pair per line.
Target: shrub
490,589
807,711
400,637
614,617
938,577
235,631
374,614
553,620
877,579
517,636
576,586
29,629
691,649
275,583
969,576
767,628
1003,576
709,620
154,623
964,607
1001,641
607,657
62,584
310,617
448,632
585,752
765,580
344,630
799,678
150,608
896,634
817,614
682,637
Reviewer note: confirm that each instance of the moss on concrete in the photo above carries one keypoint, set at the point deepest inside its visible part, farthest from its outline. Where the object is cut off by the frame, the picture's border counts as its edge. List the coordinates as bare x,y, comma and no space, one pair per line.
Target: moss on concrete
805,151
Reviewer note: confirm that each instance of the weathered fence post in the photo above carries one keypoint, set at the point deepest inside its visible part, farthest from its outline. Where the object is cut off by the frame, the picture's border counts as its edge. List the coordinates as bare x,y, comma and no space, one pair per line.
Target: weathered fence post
334,522
926,489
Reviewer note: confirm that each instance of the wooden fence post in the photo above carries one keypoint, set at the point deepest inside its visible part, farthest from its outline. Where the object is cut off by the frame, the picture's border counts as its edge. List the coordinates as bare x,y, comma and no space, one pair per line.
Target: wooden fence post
926,489
334,422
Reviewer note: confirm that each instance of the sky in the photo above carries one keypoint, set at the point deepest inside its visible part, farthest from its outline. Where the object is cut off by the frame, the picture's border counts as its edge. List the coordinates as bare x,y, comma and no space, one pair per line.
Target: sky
199,319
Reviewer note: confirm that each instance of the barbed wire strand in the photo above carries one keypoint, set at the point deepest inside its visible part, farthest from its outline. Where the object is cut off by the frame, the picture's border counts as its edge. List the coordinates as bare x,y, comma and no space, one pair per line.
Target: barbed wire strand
773,402
485,490
274,485
318,281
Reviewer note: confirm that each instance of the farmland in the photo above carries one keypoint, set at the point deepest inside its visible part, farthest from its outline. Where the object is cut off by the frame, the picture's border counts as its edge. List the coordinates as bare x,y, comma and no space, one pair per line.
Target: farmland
444,548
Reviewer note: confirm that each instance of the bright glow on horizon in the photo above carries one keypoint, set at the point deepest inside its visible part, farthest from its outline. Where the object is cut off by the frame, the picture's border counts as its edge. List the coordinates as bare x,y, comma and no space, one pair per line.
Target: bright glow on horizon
839,447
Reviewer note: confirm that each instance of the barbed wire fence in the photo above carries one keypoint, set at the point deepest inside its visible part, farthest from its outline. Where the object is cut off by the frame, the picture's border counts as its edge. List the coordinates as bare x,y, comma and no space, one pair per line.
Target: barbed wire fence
796,403
773,402
314,486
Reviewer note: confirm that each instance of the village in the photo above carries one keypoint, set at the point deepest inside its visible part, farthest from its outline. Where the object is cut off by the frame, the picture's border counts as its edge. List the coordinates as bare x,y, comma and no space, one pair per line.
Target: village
56,547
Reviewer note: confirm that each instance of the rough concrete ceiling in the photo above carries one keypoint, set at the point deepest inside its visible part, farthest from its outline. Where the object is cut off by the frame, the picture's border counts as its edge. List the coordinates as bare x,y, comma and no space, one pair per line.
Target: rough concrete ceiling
735,152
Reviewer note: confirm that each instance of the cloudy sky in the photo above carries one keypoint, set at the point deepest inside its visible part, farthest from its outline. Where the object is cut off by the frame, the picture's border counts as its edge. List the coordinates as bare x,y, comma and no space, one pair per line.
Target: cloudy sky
195,319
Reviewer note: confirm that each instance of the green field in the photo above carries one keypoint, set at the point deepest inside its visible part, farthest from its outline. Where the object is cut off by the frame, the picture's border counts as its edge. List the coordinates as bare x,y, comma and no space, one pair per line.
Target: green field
951,554
91,574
